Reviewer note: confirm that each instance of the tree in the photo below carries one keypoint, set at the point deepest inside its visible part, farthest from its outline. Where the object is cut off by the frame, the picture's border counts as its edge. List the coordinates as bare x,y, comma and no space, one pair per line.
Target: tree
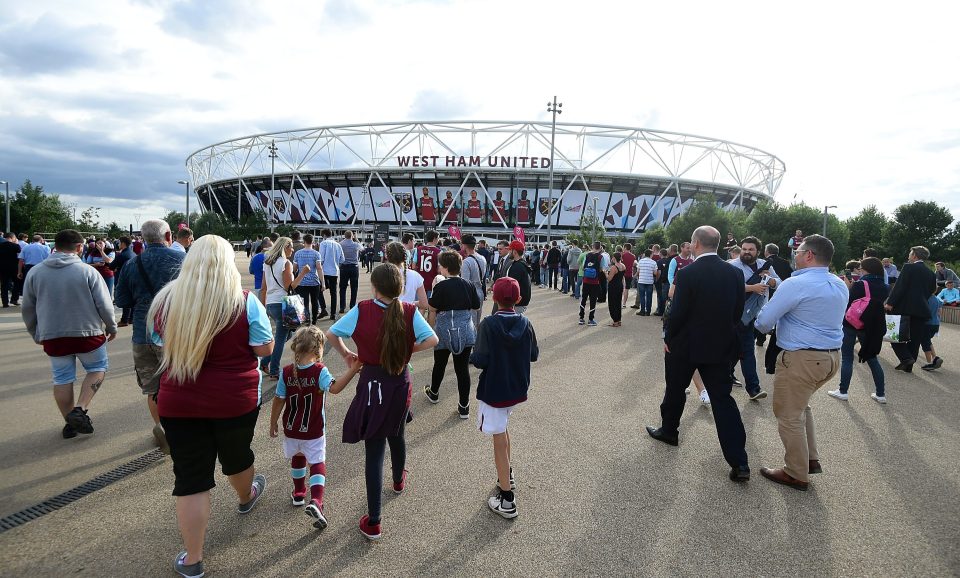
655,235
114,231
920,223
705,211
89,221
174,218
866,229
34,211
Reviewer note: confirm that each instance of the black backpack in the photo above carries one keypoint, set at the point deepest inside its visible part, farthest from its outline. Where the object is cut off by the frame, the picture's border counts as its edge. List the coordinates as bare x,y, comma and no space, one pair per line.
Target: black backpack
483,276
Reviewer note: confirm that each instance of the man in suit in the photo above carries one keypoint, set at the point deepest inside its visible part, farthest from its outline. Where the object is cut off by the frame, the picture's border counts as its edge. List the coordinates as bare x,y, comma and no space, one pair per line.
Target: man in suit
783,269
701,334
909,297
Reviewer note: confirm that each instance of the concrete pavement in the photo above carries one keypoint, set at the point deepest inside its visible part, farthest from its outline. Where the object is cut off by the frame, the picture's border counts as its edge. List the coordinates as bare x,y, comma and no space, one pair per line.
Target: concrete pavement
596,495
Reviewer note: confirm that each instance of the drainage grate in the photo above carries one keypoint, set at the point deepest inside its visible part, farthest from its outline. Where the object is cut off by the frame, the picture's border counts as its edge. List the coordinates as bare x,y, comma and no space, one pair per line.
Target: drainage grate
55,503
98,483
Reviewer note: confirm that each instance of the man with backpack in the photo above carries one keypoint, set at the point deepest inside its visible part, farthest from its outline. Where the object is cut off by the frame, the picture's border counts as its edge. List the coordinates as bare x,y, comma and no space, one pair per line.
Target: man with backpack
140,280
474,271
592,271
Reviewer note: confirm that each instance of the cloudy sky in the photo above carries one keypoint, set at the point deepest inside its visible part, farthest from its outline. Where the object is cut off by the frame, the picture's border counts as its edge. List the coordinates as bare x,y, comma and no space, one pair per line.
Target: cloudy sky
102,100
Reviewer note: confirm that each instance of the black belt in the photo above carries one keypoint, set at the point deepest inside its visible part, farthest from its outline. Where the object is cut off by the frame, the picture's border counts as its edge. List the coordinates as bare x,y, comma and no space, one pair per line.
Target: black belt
820,350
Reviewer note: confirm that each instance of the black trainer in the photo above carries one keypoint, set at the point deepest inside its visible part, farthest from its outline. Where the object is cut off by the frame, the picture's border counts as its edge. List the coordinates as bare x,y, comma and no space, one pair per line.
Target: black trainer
69,432
80,421
431,397
463,411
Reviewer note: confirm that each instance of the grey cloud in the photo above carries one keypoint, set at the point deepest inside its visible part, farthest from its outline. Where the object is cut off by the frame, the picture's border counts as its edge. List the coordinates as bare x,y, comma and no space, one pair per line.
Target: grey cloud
344,13
50,46
438,105
211,22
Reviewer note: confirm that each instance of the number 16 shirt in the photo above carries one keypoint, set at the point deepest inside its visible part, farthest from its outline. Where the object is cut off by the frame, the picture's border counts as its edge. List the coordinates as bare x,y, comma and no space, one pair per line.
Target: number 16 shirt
303,415
426,264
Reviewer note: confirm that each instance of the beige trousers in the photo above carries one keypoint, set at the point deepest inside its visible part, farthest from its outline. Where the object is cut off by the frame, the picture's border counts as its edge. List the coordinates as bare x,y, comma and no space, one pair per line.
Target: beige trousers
799,375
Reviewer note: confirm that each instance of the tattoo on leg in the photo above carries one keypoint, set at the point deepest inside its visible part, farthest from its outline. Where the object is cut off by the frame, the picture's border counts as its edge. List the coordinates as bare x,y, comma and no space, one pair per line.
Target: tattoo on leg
96,385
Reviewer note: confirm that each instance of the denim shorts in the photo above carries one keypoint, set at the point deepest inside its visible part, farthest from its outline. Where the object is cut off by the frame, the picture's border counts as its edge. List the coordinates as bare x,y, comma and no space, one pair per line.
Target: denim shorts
65,367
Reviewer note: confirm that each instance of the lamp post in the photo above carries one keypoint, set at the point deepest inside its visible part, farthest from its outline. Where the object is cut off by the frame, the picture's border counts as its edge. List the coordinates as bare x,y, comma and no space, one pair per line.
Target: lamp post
825,209
596,220
273,157
186,186
553,107
7,227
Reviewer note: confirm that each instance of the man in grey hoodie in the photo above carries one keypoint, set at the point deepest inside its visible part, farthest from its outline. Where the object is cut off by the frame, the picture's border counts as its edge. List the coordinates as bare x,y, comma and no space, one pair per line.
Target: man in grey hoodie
67,309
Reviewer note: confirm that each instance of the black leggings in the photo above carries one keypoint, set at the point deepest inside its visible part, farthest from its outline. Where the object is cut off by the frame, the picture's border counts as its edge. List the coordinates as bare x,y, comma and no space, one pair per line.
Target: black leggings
461,365
313,301
373,470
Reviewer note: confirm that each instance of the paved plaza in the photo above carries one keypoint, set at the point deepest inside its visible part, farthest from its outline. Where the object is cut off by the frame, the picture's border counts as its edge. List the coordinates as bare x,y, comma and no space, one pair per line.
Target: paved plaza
596,495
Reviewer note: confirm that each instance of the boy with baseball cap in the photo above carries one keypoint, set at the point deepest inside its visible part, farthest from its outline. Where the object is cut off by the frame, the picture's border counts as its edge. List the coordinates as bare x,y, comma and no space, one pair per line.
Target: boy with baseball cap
506,345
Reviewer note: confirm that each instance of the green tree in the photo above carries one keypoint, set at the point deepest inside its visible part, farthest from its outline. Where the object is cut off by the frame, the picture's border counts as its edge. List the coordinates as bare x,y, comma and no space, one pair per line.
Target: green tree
920,223
866,229
114,231
32,210
705,211
174,218
655,235
89,221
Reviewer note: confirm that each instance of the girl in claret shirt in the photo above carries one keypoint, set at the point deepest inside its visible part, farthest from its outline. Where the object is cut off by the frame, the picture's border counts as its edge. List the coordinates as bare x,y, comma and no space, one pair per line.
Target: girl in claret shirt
386,332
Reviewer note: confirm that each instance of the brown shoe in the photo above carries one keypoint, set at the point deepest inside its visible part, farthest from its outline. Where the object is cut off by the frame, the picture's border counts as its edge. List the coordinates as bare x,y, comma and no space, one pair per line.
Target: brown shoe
781,477
815,467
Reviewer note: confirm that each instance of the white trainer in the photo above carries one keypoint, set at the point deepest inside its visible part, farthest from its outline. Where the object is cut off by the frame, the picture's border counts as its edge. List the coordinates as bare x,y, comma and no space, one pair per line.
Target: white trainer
878,398
704,398
836,393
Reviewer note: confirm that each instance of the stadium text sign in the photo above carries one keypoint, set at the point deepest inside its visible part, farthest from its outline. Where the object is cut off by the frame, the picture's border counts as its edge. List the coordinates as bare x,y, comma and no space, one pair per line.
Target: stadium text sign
474,161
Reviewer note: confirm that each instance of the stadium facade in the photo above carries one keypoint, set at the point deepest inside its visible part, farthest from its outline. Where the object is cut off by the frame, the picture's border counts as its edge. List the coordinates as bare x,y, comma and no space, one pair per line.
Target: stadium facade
484,176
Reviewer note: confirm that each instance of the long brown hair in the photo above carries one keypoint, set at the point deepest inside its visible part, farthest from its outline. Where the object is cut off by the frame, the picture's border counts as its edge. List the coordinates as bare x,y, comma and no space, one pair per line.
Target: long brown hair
387,281
396,254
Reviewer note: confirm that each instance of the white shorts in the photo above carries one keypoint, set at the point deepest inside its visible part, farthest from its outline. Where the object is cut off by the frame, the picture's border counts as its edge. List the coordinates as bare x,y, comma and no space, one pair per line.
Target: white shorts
314,450
492,420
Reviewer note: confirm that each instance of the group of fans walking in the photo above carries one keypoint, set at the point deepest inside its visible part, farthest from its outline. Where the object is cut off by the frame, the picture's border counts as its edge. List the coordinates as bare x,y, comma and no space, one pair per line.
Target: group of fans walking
202,343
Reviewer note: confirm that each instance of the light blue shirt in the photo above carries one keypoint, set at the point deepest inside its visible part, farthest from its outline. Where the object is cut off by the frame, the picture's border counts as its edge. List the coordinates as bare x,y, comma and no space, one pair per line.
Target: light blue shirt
949,295
34,253
310,257
347,324
331,255
351,251
807,310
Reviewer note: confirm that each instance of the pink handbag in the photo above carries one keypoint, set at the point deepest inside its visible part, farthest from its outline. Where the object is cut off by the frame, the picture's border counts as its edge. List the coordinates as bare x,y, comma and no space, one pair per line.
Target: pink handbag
854,314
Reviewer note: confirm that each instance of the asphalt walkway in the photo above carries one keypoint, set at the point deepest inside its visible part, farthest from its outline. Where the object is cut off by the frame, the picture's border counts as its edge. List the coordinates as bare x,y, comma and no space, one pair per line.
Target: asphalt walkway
595,494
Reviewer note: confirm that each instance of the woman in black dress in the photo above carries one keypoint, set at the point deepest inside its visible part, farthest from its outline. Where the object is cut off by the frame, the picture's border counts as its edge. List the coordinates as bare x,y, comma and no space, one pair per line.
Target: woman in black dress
615,274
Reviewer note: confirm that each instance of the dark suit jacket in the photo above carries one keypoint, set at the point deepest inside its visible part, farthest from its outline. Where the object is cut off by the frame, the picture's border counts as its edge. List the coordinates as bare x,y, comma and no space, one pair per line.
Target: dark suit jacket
707,305
781,266
914,285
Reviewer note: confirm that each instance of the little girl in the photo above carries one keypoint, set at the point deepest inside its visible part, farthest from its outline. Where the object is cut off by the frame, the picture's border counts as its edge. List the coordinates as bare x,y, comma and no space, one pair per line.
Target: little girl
300,395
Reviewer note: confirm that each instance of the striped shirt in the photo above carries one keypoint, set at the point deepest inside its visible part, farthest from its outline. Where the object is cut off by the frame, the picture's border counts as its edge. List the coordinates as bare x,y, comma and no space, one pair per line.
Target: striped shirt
646,267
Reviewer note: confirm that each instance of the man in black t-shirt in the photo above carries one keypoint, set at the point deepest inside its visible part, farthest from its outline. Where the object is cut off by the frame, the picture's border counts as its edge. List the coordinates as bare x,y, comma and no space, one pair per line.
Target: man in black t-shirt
9,260
663,284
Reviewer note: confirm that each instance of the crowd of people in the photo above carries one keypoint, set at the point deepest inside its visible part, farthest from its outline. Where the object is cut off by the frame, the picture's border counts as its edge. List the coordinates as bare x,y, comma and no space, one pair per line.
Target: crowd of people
203,344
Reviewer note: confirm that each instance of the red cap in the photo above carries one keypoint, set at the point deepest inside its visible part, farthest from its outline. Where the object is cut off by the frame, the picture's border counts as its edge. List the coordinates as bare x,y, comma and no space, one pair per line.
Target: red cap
516,246
506,291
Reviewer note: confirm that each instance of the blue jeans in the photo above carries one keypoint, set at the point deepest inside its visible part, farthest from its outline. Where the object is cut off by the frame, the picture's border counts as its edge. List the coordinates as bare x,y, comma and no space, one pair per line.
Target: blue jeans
748,360
662,289
280,335
565,280
578,286
846,363
645,297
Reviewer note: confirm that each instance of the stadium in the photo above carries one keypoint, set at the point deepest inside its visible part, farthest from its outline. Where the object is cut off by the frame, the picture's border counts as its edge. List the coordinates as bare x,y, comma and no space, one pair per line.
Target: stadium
484,176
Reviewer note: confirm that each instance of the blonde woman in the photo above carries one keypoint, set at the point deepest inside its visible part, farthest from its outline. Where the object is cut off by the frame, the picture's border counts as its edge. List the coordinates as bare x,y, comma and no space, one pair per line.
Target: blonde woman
278,281
212,333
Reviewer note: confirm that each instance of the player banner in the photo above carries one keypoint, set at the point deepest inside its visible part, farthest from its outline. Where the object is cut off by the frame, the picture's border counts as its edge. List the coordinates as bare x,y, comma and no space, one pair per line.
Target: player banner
518,233
454,232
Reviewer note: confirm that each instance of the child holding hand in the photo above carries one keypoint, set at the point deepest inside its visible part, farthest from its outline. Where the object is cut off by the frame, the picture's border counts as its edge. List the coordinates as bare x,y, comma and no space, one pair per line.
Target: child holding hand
300,398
